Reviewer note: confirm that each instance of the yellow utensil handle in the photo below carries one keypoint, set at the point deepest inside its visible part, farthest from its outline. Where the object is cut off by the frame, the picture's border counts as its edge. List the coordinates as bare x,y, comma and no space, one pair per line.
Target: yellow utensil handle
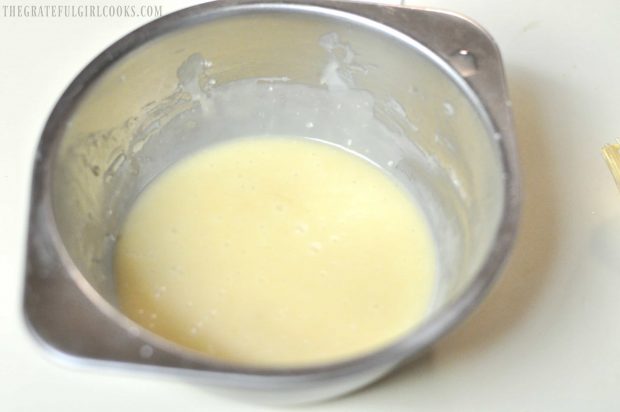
611,153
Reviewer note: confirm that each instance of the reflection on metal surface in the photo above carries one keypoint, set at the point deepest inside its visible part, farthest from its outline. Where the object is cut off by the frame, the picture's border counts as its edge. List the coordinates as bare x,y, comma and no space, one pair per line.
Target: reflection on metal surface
465,62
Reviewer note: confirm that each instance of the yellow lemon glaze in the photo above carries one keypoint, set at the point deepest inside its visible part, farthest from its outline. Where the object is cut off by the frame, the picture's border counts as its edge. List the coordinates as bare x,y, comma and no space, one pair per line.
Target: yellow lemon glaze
276,251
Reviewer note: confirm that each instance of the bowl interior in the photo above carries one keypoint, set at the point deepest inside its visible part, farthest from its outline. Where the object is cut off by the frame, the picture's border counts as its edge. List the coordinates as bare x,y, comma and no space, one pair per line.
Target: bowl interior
295,71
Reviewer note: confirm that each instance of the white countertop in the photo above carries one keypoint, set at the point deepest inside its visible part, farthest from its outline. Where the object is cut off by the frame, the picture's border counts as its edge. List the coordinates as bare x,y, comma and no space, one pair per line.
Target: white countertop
548,336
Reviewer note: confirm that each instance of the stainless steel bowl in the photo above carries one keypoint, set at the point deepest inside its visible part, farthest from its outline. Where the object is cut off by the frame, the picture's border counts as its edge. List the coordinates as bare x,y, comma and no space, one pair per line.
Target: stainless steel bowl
431,81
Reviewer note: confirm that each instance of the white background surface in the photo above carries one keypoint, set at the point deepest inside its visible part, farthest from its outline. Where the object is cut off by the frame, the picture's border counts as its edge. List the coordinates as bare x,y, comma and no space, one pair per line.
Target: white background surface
548,336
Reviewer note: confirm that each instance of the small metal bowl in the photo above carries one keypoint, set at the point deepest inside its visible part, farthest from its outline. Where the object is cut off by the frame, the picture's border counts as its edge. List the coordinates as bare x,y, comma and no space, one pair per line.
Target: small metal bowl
434,79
